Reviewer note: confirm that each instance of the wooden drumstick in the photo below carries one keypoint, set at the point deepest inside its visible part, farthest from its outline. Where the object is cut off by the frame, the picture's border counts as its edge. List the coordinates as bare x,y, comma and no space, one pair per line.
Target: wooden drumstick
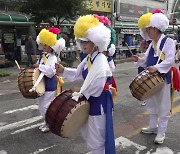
17,64
129,49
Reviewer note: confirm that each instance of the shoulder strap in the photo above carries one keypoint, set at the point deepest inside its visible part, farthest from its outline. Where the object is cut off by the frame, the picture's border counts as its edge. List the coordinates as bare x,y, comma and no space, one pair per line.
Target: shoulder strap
161,55
162,43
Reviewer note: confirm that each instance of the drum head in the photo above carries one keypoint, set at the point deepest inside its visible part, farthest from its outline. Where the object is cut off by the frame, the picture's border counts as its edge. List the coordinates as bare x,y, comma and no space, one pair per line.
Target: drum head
40,89
75,119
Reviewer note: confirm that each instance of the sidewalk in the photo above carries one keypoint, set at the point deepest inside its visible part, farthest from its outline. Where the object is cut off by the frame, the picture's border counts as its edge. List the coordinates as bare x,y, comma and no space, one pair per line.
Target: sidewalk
13,71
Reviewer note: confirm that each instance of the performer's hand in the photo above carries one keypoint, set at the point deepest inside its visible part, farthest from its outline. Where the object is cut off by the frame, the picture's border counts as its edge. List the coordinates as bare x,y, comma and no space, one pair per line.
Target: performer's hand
36,65
152,69
135,58
59,68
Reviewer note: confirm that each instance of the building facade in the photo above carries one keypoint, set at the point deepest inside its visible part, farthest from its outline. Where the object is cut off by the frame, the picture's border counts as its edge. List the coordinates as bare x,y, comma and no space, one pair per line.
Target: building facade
127,13
14,28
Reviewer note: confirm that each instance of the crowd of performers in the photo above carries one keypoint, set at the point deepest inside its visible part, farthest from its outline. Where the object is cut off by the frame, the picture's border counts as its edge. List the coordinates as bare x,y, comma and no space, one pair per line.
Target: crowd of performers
96,38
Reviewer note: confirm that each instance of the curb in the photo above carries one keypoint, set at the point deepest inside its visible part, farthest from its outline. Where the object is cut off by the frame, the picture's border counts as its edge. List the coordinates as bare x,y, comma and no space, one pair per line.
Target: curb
14,76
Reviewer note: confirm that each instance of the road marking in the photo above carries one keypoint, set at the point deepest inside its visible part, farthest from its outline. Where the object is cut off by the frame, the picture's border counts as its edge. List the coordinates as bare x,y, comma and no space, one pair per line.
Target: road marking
20,123
27,128
4,92
163,150
3,152
31,107
42,150
123,142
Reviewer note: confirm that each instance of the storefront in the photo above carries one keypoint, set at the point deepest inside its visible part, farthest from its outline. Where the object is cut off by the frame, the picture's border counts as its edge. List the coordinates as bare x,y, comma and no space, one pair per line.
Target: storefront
14,28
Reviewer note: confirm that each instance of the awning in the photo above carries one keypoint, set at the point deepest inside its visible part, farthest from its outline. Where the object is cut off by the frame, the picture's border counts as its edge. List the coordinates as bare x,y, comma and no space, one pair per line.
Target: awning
120,24
8,18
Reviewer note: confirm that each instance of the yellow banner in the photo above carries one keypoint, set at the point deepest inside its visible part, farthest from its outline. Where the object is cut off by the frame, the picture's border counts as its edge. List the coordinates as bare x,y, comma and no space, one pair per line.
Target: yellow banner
99,5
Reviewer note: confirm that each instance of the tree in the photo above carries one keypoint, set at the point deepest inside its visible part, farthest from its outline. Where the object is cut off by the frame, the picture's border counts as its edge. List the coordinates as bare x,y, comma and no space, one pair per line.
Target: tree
44,10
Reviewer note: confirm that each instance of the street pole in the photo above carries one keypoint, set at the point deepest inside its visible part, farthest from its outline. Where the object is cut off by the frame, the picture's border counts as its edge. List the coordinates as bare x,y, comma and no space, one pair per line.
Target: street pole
167,7
112,14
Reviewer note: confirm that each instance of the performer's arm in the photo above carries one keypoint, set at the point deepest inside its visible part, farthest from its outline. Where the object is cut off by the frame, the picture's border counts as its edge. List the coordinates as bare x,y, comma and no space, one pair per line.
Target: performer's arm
71,74
49,68
169,51
95,88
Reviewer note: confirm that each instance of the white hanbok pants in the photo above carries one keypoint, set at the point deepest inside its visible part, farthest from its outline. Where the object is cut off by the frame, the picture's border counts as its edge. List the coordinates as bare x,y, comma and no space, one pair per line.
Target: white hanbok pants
159,106
44,101
94,133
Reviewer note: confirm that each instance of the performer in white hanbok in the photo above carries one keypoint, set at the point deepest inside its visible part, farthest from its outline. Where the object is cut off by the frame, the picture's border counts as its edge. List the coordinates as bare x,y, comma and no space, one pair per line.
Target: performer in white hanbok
50,42
94,38
162,49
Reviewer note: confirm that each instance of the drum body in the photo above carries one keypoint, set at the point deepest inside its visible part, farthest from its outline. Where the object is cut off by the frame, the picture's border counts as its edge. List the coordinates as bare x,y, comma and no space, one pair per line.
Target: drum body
65,116
27,79
146,84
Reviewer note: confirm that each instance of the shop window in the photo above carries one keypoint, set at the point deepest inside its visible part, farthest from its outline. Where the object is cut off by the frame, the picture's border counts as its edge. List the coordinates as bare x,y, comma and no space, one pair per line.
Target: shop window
2,7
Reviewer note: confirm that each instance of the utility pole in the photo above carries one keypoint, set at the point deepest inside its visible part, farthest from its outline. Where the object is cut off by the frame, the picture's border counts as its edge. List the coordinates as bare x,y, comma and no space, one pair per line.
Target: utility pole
167,7
113,14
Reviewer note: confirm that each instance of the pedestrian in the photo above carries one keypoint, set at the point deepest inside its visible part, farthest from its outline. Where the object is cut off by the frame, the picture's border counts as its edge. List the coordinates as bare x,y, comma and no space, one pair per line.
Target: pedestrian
29,50
51,44
162,50
94,38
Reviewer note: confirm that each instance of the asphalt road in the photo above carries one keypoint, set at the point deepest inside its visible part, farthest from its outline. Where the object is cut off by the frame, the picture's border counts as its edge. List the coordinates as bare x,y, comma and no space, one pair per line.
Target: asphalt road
19,122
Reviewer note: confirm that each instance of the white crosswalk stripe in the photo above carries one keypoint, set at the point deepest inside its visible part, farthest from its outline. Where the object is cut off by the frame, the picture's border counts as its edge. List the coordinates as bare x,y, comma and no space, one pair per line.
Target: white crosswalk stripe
20,123
32,107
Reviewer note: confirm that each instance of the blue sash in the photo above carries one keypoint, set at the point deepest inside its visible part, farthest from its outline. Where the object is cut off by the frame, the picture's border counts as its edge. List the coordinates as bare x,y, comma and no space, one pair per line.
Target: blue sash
151,60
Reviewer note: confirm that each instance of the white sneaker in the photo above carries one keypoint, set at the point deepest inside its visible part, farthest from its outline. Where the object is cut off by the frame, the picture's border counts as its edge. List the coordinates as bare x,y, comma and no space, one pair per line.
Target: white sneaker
143,104
45,129
160,138
43,125
149,130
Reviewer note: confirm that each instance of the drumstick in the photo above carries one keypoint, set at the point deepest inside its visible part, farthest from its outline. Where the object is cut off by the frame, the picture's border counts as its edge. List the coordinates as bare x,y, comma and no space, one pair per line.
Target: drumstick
17,64
129,49
37,82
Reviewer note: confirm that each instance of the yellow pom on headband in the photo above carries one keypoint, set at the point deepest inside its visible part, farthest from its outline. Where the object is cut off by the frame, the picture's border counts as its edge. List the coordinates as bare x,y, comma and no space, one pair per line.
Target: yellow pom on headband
83,24
144,20
155,19
47,38
89,28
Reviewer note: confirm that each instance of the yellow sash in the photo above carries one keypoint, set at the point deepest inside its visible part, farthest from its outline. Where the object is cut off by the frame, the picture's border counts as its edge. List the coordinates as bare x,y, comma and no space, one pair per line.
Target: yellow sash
44,58
89,63
159,52
114,94
162,55
60,81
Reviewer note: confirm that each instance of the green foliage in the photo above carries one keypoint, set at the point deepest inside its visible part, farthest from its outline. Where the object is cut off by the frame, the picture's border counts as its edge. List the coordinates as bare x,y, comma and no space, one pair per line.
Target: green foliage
43,10
3,73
